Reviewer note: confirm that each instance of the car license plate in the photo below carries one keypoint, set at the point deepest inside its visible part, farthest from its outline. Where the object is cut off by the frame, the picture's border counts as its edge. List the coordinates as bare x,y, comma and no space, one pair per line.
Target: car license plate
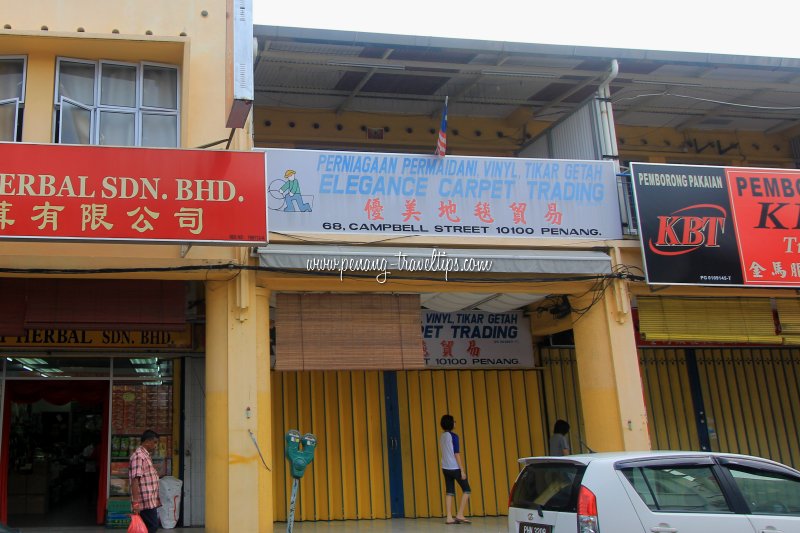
527,527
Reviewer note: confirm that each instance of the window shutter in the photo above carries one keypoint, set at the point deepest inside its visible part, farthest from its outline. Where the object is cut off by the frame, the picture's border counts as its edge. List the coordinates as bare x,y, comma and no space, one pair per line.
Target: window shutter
348,332
101,304
707,320
12,312
789,317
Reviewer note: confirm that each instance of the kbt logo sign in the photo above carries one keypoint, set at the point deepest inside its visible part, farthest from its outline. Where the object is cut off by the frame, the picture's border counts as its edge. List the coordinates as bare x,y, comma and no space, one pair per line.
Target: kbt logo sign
686,230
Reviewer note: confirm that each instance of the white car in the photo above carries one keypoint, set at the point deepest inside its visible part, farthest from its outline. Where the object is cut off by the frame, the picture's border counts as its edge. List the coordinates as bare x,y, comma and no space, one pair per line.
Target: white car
654,492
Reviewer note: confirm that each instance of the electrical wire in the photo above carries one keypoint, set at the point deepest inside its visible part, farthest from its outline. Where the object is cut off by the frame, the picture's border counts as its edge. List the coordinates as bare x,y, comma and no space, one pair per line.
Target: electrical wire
391,238
710,100
238,268
734,104
598,288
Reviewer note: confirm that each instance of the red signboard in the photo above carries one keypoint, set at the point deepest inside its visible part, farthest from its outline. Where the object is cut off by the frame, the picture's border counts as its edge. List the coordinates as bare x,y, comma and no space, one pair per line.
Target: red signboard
93,193
765,204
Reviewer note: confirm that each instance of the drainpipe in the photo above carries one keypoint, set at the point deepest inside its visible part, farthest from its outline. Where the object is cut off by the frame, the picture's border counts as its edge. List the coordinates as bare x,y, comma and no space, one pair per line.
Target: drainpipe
608,132
608,135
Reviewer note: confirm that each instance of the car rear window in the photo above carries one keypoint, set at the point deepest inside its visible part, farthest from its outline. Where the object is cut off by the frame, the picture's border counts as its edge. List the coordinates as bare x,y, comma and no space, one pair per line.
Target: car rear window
767,492
548,486
685,489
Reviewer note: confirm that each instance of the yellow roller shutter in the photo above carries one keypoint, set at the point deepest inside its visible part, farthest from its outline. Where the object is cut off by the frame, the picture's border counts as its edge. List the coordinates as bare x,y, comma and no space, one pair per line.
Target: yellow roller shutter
707,320
789,317
349,478
498,416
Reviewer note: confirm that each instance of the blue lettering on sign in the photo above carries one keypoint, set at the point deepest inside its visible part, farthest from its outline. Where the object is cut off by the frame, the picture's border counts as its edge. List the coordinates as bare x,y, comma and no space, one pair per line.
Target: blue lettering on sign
475,188
439,318
550,191
484,332
378,164
431,332
500,169
461,178
368,185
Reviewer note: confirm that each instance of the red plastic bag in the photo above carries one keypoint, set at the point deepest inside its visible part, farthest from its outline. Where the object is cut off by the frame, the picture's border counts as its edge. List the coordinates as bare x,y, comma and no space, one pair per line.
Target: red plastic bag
137,525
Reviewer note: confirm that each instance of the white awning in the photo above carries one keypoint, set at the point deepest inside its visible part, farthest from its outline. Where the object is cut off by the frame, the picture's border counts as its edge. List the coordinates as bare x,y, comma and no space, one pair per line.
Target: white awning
353,259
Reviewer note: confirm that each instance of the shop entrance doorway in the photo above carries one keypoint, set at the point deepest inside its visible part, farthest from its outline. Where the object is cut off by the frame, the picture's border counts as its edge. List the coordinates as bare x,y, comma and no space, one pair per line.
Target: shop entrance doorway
53,470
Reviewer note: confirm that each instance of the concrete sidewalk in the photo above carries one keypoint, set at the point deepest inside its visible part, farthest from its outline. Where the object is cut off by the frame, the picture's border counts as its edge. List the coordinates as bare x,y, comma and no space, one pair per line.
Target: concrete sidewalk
494,524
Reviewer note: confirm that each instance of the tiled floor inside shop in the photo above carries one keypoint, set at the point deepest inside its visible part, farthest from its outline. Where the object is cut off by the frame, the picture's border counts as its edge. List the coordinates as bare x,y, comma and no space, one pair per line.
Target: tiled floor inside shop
496,524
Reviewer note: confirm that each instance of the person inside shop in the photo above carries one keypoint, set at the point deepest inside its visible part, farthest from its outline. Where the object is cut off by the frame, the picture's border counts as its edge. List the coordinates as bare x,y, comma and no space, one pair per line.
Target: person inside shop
559,445
90,455
144,481
453,470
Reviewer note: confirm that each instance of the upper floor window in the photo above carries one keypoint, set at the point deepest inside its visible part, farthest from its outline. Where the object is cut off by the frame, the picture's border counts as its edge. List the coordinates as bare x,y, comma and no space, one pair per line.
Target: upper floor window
119,104
12,96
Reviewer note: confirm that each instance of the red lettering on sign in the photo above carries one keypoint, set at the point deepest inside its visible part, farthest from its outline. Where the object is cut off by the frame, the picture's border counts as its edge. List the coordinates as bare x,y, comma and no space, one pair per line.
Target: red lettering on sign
681,234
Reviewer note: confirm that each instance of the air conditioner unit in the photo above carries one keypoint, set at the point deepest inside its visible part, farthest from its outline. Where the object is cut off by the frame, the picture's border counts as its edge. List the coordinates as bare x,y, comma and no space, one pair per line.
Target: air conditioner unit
240,53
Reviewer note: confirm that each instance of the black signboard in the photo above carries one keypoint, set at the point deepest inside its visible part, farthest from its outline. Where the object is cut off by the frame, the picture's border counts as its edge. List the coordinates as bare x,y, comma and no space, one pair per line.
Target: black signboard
686,225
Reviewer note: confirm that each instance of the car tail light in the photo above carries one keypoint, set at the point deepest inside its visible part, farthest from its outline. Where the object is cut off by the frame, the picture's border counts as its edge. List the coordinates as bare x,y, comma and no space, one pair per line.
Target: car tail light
587,512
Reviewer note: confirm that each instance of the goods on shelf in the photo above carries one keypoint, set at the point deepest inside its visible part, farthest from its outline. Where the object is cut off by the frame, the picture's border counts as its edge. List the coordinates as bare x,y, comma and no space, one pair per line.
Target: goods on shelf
134,409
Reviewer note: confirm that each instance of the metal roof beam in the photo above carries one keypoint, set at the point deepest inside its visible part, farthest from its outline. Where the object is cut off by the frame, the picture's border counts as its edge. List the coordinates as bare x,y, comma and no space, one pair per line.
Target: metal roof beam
782,126
343,106
518,118
411,67
715,112
437,111
395,96
435,68
643,101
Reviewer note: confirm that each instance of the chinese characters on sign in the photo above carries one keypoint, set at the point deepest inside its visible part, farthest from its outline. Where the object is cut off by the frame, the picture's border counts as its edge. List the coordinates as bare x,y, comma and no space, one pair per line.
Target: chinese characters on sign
476,339
374,193
131,194
719,225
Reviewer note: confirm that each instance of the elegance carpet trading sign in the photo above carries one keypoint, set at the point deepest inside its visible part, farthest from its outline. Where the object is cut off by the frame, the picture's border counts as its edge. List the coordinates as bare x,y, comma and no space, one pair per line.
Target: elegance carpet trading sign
377,193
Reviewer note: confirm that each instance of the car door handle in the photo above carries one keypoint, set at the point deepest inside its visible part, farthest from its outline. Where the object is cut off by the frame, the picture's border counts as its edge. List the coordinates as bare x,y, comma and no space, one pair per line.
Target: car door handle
662,528
770,529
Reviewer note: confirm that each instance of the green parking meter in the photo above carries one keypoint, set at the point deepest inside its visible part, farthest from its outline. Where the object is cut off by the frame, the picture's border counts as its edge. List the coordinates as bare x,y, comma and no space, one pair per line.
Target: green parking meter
299,458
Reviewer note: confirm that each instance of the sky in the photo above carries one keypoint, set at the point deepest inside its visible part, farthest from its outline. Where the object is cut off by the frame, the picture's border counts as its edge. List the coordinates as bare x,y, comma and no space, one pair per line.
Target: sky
761,28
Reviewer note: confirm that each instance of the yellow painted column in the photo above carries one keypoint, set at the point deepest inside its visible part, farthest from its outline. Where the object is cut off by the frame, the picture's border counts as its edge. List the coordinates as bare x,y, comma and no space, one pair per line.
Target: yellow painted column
238,484
39,89
266,514
612,402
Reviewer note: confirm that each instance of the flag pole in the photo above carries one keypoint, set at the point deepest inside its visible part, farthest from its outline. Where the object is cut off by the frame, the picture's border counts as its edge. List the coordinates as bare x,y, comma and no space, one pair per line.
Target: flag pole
441,141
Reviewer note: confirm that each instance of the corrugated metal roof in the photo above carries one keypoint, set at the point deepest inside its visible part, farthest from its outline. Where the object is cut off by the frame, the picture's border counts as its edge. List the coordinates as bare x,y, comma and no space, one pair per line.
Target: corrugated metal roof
329,69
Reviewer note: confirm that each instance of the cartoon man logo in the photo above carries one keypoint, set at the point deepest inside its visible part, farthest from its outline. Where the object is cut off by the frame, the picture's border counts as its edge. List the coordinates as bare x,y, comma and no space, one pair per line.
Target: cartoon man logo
292,196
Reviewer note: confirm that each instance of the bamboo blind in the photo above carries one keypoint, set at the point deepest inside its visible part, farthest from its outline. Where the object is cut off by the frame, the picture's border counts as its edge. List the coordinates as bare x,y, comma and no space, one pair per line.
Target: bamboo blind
348,332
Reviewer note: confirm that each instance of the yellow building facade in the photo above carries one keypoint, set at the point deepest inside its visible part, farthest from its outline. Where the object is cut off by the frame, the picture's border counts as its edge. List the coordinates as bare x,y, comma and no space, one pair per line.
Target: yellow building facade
611,389
188,41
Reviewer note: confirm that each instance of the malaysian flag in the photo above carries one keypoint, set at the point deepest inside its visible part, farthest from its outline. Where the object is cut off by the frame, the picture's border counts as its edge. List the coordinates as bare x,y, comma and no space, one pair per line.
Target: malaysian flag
441,143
